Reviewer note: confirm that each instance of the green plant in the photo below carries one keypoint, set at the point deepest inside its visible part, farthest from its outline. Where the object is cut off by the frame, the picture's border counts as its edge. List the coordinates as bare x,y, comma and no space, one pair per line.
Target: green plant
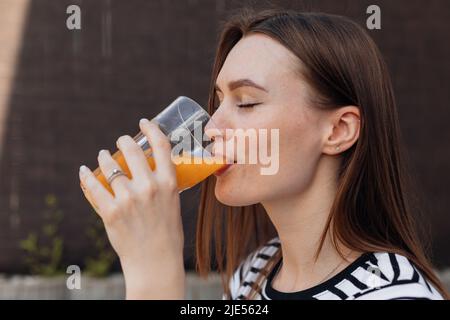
101,264
44,249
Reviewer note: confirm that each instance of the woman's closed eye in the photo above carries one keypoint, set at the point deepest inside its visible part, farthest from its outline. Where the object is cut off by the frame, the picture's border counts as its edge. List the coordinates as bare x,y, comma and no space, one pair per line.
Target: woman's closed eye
242,105
247,105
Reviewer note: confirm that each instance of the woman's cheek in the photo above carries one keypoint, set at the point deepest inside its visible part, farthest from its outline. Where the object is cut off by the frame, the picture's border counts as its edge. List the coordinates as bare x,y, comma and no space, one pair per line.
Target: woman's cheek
288,167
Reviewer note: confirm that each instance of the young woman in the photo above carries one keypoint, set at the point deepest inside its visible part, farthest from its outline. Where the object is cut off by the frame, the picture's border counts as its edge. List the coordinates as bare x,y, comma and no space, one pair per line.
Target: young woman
332,223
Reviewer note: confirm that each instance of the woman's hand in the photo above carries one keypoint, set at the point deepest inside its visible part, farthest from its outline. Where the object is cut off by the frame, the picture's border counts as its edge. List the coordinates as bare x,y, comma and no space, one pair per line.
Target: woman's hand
143,220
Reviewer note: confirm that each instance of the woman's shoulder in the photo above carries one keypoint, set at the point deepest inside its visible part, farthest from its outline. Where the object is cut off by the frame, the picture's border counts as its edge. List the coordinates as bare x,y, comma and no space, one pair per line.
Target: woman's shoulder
260,256
374,276
249,269
392,276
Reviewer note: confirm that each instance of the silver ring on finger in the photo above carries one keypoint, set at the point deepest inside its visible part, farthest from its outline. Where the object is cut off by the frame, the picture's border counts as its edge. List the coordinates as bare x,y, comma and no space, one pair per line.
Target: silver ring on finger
114,174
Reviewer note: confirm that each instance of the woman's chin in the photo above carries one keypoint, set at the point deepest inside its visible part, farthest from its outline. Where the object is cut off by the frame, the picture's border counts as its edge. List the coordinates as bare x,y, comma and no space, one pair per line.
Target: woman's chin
231,196
224,197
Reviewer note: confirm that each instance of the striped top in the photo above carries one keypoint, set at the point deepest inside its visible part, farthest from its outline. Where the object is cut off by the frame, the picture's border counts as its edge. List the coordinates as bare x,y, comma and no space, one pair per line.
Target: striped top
373,276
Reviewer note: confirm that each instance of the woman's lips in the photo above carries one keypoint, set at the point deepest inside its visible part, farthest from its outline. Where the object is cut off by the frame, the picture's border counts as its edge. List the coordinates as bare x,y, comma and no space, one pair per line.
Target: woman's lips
222,170
228,163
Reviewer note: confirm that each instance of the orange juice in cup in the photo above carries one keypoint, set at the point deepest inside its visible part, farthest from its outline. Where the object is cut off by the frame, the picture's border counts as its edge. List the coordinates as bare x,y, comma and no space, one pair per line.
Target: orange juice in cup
182,120
191,171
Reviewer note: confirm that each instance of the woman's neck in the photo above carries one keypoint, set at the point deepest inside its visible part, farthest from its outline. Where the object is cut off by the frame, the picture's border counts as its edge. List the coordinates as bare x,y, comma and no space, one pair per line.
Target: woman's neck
300,221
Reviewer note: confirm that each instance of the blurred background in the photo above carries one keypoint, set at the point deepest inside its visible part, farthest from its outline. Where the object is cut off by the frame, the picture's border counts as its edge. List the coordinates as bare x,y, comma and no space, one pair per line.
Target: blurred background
65,94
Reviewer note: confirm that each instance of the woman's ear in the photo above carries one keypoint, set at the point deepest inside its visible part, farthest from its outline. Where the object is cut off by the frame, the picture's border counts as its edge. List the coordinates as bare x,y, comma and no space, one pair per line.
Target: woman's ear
344,127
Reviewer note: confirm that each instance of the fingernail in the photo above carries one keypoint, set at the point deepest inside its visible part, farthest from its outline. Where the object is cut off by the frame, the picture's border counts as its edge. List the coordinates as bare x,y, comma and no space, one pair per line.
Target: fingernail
144,121
83,169
102,151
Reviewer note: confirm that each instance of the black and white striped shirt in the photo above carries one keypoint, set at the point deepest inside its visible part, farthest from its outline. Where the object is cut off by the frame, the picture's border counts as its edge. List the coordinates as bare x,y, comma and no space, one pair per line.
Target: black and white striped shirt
377,276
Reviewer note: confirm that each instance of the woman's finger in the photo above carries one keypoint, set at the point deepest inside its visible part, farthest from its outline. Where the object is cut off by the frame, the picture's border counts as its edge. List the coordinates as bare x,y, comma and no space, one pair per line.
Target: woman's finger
98,196
161,149
107,166
135,158
89,198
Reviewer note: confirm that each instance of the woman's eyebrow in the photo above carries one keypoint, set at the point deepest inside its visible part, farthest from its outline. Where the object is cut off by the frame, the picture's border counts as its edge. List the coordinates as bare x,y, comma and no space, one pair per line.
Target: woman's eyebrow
233,85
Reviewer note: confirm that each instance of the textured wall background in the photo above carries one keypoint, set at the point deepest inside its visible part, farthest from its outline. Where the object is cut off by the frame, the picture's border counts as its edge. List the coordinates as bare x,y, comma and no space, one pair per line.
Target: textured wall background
75,92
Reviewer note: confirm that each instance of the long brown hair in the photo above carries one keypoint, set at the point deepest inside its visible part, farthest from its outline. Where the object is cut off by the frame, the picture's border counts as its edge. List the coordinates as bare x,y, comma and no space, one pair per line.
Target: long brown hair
370,213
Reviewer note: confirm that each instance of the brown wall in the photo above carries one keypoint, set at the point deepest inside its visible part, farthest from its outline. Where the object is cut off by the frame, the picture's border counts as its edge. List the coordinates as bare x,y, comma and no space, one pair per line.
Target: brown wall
76,91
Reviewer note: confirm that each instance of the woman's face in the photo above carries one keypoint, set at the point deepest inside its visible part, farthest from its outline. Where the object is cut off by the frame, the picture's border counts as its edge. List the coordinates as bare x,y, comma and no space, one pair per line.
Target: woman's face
281,103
